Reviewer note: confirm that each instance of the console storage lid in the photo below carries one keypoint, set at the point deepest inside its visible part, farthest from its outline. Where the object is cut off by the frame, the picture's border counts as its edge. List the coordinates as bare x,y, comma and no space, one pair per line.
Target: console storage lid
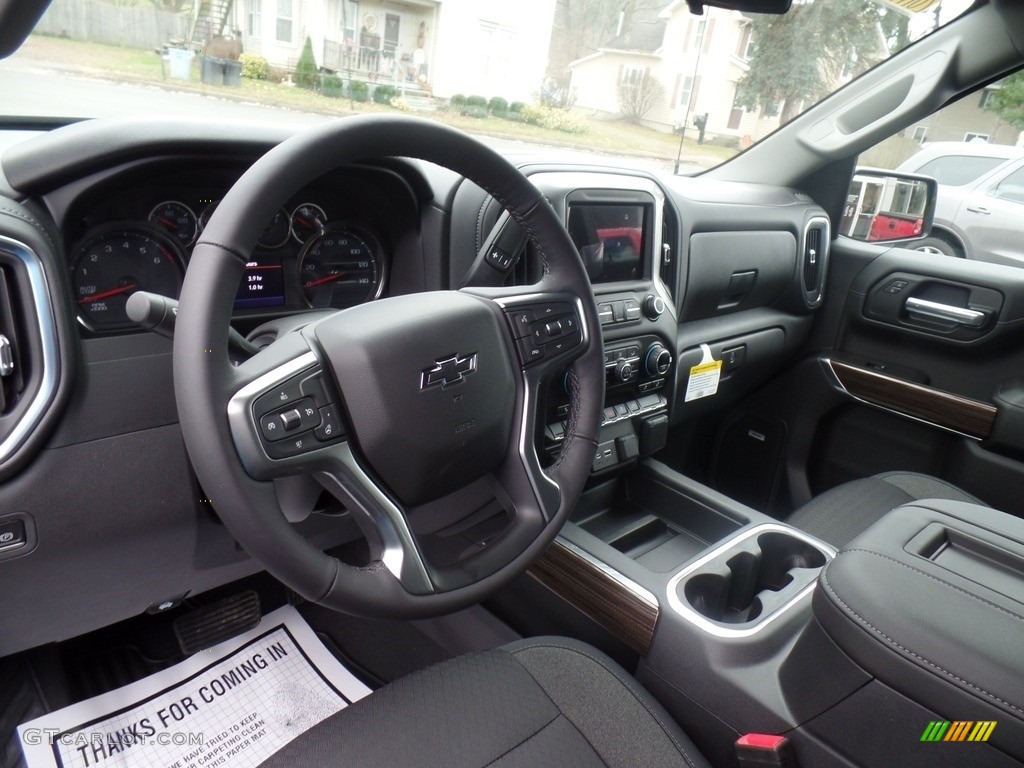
930,600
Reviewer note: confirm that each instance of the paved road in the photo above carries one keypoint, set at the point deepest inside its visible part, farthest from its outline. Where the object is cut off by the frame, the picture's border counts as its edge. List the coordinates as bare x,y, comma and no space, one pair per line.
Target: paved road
32,90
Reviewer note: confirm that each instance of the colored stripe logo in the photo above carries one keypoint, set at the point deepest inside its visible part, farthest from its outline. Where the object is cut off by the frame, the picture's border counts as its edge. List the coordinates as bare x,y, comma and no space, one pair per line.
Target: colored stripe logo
958,730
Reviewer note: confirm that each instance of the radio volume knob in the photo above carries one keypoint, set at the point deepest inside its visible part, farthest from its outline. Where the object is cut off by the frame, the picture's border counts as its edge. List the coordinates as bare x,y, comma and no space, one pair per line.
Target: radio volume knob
624,371
653,307
658,360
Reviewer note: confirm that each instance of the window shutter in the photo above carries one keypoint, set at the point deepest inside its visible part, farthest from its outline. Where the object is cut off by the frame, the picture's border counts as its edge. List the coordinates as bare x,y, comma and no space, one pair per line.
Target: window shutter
675,90
708,30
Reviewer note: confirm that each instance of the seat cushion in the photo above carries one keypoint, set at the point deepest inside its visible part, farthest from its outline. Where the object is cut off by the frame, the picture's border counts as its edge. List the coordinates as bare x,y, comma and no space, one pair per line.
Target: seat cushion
540,702
841,513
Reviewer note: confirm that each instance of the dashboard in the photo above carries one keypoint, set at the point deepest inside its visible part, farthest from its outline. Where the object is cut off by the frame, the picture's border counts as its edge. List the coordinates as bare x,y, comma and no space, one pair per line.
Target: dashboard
102,210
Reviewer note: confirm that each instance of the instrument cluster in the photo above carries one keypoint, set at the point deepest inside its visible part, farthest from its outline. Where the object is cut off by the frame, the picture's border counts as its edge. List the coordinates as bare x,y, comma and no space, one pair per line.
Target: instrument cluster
320,251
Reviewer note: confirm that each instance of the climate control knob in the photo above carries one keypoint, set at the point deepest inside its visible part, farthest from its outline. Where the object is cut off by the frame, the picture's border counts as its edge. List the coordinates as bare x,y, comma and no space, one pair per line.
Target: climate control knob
658,360
625,371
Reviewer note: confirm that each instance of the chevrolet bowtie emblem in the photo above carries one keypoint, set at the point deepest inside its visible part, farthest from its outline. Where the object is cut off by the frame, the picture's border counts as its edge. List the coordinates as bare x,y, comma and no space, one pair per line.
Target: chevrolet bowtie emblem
449,371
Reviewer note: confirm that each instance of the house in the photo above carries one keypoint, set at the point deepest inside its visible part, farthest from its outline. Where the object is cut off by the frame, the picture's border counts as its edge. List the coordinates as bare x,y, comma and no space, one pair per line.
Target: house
483,47
696,60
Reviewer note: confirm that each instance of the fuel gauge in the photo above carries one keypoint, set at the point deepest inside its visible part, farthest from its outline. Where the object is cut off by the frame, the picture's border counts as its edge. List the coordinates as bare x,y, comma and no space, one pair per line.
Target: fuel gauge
177,220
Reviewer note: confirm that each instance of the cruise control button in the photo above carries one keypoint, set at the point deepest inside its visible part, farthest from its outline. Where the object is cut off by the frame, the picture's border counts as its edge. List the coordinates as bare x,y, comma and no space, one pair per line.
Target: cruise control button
309,414
271,427
330,426
291,420
283,394
293,446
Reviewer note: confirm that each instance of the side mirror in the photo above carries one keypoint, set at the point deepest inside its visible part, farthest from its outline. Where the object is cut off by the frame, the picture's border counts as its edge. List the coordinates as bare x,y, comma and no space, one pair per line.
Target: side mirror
885,206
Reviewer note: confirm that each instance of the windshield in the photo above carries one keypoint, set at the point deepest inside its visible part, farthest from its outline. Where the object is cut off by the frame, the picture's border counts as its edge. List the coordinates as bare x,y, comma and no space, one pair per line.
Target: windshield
650,80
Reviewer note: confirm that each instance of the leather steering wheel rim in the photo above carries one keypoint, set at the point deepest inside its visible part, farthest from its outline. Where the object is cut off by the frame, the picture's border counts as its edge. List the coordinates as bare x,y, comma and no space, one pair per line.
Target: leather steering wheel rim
207,385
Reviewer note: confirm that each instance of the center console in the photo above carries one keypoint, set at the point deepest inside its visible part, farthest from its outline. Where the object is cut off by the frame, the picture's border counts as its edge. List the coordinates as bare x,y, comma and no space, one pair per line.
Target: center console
745,625
620,227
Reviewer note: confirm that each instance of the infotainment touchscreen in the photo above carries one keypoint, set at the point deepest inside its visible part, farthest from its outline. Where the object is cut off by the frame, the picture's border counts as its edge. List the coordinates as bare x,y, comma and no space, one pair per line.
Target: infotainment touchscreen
611,238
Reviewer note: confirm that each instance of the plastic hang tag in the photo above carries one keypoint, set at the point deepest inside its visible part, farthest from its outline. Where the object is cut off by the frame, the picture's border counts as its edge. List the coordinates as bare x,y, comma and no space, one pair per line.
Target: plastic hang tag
704,376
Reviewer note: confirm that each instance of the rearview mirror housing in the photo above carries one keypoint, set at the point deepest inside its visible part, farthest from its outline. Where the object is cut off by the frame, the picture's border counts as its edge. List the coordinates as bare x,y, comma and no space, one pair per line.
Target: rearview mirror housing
884,206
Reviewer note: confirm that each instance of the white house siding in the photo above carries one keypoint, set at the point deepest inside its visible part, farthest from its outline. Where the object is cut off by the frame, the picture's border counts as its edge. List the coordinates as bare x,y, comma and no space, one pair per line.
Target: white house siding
484,47
597,85
492,48
712,78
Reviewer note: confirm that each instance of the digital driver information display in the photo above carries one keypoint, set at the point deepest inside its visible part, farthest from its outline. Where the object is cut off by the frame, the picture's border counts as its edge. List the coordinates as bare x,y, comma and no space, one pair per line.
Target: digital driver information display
262,285
610,238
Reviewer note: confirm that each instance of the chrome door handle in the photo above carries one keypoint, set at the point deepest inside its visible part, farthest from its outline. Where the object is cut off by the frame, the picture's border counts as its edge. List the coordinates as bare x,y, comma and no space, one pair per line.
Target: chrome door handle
933,310
979,209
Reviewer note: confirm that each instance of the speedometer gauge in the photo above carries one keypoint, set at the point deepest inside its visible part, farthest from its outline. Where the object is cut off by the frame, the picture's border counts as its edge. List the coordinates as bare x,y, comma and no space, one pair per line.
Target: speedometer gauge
114,262
341,267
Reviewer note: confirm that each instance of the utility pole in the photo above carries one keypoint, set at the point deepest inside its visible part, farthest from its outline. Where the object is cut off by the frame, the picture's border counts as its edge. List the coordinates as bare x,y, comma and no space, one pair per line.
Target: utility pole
693,82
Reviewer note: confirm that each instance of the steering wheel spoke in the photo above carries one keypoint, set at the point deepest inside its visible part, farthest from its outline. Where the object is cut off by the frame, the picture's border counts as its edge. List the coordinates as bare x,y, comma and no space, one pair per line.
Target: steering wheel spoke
287,414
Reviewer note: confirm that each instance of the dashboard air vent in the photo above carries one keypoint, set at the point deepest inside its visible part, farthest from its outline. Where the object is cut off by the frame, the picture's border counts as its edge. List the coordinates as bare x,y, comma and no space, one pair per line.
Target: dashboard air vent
11,378
815,260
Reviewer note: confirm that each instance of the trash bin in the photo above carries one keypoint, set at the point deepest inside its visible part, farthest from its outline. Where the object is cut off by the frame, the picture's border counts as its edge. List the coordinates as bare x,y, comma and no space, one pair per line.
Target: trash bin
212,70
181,63
232,72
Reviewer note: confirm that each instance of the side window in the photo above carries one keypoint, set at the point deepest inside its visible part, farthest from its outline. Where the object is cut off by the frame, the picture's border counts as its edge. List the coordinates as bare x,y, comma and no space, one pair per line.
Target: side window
1012,187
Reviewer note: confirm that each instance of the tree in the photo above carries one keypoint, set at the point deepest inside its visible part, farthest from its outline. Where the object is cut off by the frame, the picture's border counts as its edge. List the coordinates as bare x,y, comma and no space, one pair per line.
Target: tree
638,96
805,54
306,69
1007,101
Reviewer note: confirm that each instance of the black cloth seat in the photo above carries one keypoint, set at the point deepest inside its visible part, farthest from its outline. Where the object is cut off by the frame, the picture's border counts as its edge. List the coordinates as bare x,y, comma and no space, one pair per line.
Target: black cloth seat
538,702
840,514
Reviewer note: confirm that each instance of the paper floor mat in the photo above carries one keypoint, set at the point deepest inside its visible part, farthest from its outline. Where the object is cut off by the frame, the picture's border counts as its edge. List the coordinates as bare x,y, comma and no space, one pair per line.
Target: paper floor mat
231,706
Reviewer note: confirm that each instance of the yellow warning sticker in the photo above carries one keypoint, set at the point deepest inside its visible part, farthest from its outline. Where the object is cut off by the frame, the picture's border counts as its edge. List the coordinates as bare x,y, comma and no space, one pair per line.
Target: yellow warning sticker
704,378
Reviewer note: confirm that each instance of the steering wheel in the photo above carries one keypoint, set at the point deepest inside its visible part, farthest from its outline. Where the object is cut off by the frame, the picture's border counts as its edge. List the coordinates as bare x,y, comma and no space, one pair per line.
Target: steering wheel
402,408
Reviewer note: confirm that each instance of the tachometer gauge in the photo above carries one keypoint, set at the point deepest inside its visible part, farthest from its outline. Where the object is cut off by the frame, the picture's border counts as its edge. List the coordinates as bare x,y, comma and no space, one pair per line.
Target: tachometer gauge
276,233
341,267
308,219
177,219
114,262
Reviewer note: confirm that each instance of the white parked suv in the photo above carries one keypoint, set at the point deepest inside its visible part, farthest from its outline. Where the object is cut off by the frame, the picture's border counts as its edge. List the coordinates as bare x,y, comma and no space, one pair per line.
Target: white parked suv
980,202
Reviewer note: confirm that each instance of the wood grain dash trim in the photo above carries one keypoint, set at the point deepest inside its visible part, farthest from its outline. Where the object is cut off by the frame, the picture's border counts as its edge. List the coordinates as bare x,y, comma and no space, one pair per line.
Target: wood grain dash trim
627,613
935,406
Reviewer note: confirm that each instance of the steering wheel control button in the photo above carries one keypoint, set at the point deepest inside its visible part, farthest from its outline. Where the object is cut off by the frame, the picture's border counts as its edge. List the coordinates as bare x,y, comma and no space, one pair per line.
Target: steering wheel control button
529,352
330,425
271,427
522,322
285,393
293,446
291,420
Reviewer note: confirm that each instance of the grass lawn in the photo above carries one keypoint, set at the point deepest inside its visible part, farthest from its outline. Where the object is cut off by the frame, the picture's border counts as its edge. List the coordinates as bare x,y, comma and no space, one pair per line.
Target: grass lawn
130,64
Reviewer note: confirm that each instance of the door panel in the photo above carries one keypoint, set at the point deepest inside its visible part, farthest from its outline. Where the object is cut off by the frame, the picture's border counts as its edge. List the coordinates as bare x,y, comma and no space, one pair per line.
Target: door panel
877,392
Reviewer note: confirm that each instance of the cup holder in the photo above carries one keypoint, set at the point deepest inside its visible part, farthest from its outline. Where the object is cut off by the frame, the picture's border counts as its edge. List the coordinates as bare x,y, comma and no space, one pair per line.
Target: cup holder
751,577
